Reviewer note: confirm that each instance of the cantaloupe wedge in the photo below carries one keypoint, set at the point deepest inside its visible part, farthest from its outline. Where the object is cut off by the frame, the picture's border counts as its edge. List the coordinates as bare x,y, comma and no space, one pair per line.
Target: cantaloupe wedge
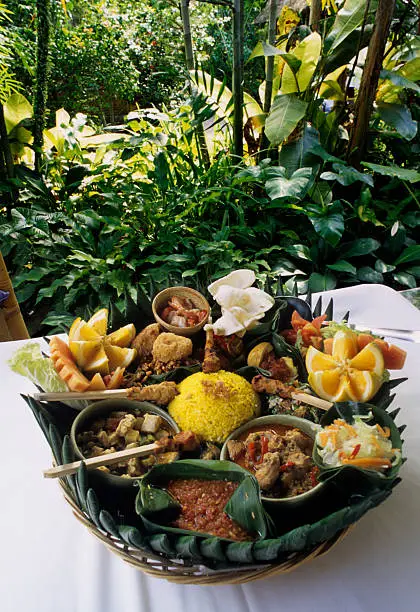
97,383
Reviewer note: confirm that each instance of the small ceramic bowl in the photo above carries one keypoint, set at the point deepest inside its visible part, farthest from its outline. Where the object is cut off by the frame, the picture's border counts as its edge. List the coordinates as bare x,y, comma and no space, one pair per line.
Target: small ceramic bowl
103,409
199,301
306,427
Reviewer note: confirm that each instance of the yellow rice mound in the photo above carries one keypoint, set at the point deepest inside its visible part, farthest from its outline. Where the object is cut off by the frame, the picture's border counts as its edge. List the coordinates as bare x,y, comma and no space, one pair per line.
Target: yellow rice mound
213,405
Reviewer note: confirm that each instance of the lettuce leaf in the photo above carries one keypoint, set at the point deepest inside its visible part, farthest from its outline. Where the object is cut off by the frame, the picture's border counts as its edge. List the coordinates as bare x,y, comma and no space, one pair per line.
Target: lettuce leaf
28,361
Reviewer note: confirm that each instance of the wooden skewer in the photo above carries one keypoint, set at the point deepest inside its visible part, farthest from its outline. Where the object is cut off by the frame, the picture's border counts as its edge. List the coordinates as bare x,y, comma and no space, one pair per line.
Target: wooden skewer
86,395
94,462
317,402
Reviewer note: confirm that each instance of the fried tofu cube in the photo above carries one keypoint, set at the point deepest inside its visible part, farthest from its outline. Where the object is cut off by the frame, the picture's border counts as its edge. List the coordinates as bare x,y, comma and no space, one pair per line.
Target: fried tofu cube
151,423
132,435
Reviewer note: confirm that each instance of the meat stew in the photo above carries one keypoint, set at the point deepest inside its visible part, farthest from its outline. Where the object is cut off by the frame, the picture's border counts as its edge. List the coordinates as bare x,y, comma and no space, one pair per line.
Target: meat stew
279,456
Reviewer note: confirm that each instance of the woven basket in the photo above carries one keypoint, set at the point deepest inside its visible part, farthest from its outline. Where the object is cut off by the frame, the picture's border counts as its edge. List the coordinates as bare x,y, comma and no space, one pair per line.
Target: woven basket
12,325
184,572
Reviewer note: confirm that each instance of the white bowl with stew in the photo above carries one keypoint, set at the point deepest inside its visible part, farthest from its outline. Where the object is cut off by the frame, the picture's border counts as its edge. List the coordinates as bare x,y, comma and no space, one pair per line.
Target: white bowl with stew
277,424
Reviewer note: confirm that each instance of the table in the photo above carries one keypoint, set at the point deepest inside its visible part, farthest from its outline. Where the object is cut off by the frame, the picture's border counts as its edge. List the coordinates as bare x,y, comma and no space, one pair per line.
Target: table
50,563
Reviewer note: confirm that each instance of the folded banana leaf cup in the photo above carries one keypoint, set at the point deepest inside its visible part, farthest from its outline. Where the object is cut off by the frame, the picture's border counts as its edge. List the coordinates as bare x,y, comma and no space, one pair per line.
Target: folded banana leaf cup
360,480
157,508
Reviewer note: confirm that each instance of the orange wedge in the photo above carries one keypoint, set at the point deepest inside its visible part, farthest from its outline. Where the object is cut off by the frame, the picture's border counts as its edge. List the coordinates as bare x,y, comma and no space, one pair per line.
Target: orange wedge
346,375
94,351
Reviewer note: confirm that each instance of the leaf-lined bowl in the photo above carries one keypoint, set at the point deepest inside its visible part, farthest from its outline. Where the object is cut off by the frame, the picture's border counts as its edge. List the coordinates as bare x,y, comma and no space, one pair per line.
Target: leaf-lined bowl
348,411
157,507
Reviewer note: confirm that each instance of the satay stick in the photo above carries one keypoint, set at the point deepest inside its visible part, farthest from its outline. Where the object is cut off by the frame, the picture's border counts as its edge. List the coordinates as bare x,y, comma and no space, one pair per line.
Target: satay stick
85,395
95,462
317,402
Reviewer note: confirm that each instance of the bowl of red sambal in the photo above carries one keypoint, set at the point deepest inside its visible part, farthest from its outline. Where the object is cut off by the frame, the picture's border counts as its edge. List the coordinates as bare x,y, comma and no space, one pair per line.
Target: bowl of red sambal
277,451
209,498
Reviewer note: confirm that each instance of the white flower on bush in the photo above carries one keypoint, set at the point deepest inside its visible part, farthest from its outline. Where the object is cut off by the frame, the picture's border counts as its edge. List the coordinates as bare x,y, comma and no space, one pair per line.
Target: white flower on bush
242,305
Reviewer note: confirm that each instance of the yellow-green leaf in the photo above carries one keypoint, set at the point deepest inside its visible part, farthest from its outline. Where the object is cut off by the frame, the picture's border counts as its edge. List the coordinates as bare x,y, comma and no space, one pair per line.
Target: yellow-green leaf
308,52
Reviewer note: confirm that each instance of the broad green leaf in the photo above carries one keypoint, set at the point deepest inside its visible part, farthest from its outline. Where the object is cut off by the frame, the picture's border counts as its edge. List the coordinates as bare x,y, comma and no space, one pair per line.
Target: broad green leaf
16,109
381,266
286,112
405,174
348,18
100,139
342,266
411,253
298,154
330,88
299,250
321,282
346,175
362,246
292,60
369,275
329,224
404,278
398,79
308,52
399,117
279,186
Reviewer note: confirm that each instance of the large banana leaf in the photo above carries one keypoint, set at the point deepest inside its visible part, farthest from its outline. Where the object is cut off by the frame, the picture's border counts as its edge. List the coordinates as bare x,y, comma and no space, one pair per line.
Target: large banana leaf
157,507
349,18
286,112
307,52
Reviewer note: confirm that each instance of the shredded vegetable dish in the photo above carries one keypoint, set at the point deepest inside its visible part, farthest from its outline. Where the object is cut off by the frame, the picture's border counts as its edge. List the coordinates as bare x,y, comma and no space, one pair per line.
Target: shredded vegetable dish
361,445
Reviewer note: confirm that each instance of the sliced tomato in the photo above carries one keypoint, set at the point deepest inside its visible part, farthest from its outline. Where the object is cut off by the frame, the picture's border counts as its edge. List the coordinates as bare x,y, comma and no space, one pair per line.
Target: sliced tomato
318,321
297,321
308,332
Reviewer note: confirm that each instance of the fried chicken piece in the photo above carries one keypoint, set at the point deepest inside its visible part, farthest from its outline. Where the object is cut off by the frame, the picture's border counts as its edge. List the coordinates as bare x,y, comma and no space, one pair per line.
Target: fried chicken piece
268,471
235,448
261,384
170,347
162,394
182,441
144,341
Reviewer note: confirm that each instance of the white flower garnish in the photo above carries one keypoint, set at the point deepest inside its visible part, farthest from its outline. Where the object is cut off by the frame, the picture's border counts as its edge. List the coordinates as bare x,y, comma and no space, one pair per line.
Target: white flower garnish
242,305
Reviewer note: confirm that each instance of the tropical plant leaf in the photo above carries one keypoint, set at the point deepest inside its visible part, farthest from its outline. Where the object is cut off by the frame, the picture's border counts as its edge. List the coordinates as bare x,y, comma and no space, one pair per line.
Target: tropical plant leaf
399,117
16,109
398,79
286,112
329,223
362,246
307,52
347,20
405,174
298,154
411,253
278,186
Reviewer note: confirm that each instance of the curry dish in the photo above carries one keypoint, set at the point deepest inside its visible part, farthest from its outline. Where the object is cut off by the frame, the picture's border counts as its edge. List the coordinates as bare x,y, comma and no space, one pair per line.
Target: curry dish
280,457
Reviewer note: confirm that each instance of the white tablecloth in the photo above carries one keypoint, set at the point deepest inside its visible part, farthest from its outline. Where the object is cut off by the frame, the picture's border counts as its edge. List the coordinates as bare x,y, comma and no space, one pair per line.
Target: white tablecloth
51,563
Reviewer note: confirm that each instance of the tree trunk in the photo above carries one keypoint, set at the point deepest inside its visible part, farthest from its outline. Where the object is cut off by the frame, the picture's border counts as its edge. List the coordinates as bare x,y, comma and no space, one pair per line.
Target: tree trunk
40,95
369,82
238,77
315,14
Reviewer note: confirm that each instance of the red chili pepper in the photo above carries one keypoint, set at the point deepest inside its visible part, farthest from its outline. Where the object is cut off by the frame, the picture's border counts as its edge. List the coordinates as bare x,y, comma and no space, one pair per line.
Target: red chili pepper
264,447
251,451
286,466
355,451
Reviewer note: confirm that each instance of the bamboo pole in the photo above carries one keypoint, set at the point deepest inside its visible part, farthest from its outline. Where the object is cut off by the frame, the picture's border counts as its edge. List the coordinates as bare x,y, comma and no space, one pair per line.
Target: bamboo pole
12,325
186,27
269,73
369,82
40,94
238,77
